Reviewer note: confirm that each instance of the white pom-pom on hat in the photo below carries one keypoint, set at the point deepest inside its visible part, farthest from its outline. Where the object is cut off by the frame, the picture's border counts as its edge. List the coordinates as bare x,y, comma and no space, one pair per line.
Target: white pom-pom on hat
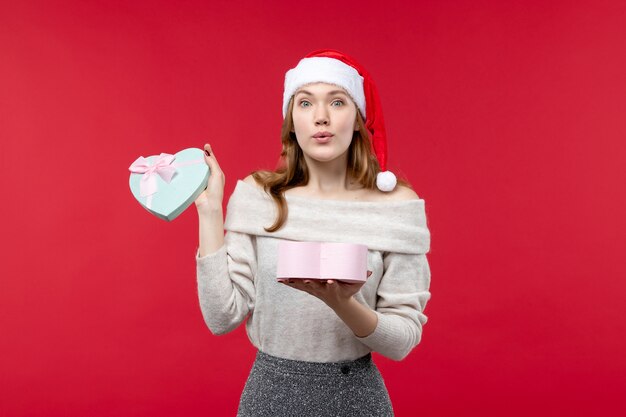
320,66
386,181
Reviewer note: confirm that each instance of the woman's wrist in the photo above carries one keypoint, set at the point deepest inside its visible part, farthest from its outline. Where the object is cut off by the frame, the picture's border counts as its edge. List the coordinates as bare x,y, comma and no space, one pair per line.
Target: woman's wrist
209,207
360,319
341,303
211,228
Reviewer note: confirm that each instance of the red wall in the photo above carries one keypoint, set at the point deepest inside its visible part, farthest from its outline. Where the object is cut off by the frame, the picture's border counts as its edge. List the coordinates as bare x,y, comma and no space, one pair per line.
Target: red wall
507,117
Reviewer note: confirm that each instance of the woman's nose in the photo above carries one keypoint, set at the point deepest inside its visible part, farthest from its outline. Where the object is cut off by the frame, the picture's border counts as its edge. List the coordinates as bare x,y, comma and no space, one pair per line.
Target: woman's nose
321,117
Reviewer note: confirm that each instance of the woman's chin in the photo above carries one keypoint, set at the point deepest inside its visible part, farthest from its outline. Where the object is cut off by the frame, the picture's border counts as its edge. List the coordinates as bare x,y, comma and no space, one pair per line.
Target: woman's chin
325,155
323,158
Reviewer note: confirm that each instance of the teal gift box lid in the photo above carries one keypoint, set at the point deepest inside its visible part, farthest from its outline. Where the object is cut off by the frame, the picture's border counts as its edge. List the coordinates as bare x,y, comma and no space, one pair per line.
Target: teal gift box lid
166,184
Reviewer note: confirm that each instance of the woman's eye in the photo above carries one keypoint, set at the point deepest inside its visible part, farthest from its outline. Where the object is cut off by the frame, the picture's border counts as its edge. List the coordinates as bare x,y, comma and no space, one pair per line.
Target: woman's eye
305,103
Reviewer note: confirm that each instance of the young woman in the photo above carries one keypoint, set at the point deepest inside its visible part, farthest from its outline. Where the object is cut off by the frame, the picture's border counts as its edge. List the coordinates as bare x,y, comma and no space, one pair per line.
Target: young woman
315,337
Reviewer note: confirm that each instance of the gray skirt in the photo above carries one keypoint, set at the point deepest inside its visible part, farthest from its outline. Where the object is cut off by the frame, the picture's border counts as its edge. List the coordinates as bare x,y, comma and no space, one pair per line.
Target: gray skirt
283,387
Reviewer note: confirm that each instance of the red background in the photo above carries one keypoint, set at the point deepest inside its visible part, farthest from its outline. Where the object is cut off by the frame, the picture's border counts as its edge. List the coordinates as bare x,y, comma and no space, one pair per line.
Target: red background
507,117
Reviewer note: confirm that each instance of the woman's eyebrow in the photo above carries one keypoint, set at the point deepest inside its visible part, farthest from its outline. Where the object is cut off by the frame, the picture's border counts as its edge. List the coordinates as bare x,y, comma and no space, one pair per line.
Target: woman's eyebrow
330,93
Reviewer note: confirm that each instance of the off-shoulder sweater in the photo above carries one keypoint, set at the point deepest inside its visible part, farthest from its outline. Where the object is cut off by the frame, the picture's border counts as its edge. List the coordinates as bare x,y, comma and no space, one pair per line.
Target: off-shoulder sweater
239,279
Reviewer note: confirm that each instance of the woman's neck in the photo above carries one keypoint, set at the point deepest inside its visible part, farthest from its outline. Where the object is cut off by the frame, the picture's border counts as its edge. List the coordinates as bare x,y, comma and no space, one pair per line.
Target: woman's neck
329,178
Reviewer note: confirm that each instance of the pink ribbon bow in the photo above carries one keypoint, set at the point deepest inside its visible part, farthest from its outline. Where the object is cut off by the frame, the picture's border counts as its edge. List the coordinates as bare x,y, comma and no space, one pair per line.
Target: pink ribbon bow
162,167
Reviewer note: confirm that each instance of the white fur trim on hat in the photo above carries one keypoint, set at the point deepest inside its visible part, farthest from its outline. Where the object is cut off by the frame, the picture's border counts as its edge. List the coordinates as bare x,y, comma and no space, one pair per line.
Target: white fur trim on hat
326,70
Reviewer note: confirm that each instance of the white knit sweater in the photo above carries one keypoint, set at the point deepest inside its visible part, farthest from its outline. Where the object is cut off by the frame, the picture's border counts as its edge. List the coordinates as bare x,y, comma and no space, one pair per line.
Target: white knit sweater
239,279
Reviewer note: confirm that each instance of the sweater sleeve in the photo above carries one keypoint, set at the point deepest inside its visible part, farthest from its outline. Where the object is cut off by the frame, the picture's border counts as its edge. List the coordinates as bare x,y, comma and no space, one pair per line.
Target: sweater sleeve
401,299
226,288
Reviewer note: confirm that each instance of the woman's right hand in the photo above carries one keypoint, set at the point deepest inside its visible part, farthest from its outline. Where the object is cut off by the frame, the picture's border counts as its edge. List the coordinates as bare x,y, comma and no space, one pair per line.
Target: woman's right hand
211,198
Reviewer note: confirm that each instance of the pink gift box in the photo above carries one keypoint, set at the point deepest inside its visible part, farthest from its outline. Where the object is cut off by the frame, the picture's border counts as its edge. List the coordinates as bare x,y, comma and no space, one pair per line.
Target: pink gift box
322,260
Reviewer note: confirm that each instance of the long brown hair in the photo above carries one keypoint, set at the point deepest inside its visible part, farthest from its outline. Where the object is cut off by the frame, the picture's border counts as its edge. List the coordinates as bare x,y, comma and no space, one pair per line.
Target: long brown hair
293,171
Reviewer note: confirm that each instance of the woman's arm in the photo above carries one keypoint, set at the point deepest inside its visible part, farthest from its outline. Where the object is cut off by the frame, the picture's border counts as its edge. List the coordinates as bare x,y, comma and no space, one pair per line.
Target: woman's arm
225,277
226,288
403,293
209,205
395,327
361,319
211,232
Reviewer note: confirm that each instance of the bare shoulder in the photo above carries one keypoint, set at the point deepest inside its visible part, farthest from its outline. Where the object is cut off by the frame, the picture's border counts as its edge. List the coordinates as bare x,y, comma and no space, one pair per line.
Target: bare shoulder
401,193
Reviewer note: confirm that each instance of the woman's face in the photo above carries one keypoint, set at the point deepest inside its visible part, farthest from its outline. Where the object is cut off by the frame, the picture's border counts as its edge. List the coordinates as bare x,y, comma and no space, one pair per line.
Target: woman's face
324,120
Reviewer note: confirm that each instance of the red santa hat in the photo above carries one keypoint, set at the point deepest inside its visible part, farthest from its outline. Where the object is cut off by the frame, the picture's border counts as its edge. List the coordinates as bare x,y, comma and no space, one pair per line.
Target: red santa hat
333,67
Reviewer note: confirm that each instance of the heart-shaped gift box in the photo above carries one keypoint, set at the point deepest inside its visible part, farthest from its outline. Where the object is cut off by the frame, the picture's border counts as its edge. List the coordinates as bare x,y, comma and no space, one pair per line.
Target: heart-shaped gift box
166,185
322,260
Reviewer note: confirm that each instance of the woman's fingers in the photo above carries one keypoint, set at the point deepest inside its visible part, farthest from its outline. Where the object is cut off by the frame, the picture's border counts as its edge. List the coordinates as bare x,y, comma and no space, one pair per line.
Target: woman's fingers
214,193
211,160
217,177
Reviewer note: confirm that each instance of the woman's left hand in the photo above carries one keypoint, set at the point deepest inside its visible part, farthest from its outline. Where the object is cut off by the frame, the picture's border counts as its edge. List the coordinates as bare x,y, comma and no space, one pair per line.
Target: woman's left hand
334,293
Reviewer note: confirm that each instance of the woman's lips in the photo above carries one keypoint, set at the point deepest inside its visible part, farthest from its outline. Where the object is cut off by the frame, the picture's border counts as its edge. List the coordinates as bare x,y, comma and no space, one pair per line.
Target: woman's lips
323,139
